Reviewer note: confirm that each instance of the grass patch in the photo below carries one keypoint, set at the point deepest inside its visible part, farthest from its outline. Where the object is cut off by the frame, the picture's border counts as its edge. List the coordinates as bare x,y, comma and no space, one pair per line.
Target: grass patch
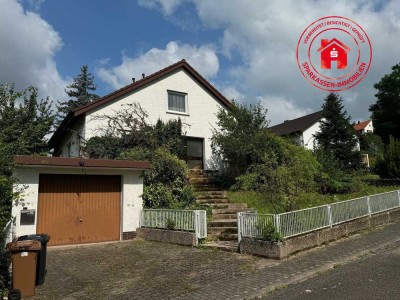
253,199
256,200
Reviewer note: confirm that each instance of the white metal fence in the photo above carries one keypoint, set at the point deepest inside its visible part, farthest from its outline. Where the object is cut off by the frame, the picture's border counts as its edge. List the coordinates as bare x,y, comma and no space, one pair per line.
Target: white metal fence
186,220
306,220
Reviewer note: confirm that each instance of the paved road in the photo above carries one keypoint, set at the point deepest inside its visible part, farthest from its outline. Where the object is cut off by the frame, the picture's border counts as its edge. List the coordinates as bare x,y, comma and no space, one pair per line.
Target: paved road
144,270
376,276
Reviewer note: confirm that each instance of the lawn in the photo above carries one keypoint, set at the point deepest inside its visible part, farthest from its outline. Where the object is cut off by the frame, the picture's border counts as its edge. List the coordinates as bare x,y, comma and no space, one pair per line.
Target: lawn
255,200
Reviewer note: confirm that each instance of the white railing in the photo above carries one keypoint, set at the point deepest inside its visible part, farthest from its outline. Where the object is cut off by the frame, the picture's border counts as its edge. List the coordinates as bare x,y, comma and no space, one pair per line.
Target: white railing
185,220
306,220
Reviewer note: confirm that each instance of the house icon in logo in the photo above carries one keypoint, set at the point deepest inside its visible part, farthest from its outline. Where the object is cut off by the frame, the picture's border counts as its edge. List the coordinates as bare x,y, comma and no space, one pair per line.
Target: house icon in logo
333,50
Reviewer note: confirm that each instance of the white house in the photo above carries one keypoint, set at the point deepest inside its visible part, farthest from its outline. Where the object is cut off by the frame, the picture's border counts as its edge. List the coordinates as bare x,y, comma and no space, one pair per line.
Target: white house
302,129
177,91
364,127
77,200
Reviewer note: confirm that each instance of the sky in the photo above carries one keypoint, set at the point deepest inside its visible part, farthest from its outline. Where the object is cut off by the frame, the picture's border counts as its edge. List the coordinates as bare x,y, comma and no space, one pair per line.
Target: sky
245,48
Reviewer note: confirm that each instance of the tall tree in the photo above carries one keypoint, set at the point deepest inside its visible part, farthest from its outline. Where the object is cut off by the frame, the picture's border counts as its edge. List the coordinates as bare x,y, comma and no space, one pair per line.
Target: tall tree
80,93
337,135
237,138
386,110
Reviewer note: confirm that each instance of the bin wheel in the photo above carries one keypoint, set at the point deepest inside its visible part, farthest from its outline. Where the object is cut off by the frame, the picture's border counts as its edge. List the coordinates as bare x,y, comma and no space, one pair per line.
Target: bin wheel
14,295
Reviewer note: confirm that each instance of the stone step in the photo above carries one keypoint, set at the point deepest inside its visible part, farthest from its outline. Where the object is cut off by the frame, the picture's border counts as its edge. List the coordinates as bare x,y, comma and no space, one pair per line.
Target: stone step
198,180
228,205
223,237
207,189
230,246
212,201
211,194
224,216
230,210
223,223
220,230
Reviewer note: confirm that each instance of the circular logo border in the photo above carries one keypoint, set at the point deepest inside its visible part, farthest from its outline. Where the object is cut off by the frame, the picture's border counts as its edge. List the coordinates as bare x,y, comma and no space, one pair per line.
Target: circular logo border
344,87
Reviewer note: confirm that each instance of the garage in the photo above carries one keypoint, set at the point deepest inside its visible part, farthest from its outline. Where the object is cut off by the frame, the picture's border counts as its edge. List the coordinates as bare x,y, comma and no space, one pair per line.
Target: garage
78,200
76,209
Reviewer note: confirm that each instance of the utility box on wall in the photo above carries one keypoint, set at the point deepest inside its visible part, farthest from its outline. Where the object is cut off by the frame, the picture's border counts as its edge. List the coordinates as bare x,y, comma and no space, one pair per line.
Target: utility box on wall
27,217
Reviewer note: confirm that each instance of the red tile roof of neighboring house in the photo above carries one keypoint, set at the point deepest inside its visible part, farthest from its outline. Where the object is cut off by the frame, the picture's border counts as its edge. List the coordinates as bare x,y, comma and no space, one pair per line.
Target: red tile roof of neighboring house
80,111
296,125
41,161
361,125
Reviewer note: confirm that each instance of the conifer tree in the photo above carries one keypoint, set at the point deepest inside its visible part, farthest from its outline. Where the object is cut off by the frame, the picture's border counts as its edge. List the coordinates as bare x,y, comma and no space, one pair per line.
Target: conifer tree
386,110
336,135
79,92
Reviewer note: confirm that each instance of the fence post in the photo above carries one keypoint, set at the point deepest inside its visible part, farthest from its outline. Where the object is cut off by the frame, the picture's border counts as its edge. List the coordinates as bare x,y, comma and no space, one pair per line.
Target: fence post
398,196
369,206
277,219
330,215
196,226
141,221
239,226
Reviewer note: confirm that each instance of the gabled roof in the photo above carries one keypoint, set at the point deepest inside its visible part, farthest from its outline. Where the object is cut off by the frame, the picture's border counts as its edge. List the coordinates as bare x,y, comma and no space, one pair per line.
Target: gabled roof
45,161
326,43
361,125
296,125
81,111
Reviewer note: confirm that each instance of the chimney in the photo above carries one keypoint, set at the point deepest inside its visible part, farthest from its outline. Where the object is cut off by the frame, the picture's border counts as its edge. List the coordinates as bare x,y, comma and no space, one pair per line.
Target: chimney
143,75
358,122
133,79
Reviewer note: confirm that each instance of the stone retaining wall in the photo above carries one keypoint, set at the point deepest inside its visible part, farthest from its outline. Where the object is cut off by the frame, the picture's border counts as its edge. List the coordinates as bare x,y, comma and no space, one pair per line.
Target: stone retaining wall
183,238
317,238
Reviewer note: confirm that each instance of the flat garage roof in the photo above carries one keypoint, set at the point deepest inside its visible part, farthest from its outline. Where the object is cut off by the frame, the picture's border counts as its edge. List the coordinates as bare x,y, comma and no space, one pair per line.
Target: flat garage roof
78,162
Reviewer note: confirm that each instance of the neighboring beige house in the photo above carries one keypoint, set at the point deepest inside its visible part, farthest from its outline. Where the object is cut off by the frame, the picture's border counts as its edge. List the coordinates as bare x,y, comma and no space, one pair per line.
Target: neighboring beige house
301,130
364,127
177,91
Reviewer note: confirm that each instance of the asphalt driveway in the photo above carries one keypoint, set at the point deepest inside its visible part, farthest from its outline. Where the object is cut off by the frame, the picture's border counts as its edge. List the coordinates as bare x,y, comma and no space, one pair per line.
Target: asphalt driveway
138,270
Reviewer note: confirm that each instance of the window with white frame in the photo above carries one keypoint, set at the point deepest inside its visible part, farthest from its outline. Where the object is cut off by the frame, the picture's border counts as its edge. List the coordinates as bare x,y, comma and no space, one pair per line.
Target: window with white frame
177,102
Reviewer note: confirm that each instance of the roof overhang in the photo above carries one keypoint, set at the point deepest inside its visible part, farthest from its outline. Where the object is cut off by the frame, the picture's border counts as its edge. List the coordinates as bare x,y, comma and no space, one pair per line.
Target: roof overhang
77,162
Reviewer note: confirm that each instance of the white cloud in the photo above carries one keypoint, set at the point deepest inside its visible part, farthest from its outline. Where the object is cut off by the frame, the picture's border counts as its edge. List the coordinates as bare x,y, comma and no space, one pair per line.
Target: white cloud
280,109
168,7
203,59
28,45
260,39
231,92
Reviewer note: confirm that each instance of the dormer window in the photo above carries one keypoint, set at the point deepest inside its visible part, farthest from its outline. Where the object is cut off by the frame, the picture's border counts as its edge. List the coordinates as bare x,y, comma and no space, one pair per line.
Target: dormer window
177,102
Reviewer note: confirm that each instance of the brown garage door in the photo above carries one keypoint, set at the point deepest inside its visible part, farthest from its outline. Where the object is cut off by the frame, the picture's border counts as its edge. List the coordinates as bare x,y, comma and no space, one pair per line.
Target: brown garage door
75,209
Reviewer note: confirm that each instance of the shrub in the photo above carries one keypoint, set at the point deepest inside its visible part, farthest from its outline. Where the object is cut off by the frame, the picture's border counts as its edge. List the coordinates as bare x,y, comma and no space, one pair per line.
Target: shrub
388,165
236,139
284,172
137,153
170,224
165,184
269,233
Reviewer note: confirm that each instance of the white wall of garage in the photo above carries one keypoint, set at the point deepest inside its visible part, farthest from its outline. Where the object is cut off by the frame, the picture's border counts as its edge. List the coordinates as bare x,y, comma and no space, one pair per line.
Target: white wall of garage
28,185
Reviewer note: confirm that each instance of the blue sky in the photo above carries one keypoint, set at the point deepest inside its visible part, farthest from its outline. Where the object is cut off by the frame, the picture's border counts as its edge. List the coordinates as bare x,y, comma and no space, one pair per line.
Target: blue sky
245,48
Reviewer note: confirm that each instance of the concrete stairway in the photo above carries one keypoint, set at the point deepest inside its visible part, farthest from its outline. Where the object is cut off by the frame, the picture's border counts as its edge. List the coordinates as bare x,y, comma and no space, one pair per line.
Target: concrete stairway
223,225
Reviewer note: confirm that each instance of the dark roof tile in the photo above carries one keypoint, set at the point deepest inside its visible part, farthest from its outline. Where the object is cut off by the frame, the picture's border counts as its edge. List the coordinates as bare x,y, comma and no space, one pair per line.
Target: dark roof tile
296,125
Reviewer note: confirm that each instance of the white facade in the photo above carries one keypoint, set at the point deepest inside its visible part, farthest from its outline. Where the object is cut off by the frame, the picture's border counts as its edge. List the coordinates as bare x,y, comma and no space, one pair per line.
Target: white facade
198,120
308,135
368,128
28,184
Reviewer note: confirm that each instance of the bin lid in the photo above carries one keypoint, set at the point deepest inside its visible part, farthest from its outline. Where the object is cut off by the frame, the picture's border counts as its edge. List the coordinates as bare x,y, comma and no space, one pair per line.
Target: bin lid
27,245
44,238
